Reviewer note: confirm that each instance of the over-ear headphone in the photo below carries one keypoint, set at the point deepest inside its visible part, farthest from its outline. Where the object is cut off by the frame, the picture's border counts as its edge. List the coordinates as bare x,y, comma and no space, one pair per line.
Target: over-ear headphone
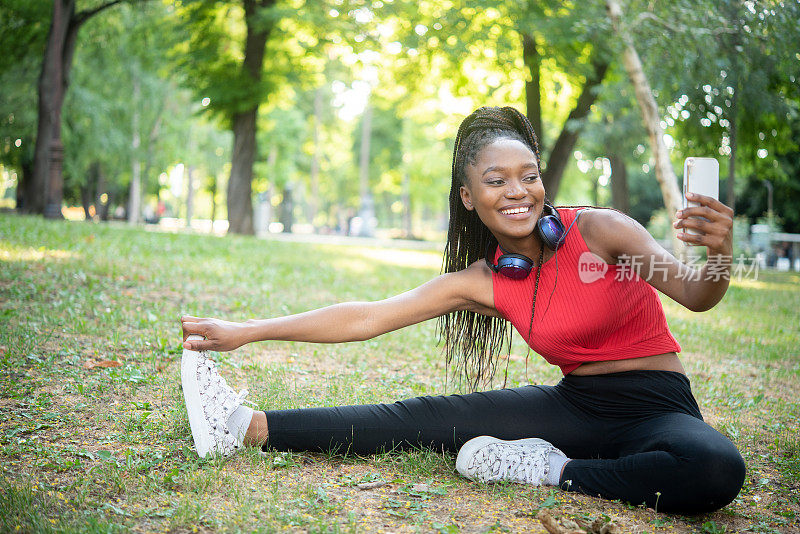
550,230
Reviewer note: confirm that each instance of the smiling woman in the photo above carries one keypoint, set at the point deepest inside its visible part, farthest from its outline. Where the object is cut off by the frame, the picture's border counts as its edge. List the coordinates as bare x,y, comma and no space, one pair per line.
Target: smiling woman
622,424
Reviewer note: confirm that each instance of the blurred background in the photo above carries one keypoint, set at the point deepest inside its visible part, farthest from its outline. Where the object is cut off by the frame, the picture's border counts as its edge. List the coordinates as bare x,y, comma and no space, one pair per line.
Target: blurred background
337,117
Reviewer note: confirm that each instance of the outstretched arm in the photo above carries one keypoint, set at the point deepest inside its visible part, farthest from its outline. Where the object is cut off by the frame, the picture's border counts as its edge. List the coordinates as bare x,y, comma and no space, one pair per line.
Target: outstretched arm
469,289
616,238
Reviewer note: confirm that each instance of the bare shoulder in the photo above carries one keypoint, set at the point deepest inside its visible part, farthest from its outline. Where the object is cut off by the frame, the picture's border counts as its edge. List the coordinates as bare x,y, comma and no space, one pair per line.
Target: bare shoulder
478,269
475,285
610,233
597,220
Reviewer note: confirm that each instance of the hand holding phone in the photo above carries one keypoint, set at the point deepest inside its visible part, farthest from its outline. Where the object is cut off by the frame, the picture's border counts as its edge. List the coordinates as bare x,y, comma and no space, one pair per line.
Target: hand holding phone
701,176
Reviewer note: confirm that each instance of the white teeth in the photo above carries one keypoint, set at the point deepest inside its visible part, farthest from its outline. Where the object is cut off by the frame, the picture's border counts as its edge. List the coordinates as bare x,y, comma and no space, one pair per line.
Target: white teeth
512,211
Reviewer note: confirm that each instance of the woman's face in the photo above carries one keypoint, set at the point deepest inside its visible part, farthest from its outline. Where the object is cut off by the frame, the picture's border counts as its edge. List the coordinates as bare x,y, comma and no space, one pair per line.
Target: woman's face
505,189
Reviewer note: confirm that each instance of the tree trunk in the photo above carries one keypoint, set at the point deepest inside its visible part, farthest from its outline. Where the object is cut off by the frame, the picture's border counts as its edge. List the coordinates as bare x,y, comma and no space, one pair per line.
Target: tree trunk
25,177
731,195
86,202
51,94
152,139
287,209
135,200
213,191
240,202
533,94
89,191
272,161
620,199
562,149
189,195
367,209
732,41
407,229
101,208
313,202
44,192
647,104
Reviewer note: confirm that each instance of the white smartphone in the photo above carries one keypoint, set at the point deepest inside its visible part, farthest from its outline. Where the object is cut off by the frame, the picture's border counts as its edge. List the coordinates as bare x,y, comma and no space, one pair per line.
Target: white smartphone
701,176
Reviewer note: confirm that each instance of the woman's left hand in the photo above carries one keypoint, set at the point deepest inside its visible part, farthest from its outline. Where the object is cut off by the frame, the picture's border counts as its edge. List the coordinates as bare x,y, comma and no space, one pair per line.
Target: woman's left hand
717,228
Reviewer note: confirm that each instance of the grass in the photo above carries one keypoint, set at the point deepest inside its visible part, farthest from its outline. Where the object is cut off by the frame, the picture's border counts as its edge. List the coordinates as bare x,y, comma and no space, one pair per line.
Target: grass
95,449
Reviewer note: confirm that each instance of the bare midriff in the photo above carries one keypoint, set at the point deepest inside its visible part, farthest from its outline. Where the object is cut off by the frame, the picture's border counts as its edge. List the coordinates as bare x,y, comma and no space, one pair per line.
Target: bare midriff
660,362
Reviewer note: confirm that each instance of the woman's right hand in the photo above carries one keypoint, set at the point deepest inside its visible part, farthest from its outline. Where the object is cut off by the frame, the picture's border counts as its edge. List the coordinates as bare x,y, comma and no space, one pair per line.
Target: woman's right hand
219,335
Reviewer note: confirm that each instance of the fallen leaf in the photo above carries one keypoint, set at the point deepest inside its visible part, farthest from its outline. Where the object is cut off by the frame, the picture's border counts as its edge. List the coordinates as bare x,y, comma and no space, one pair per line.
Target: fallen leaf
554,527
549,523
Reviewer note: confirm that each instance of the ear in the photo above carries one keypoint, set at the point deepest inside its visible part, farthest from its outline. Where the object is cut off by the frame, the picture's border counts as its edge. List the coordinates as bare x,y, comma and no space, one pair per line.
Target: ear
466,198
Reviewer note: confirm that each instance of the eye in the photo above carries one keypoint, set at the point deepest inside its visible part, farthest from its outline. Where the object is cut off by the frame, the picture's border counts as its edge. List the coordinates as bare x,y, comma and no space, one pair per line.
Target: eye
494,181
531,178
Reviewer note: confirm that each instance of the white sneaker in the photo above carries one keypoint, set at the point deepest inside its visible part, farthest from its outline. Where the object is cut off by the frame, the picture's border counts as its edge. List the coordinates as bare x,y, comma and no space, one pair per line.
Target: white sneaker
209,403
488,459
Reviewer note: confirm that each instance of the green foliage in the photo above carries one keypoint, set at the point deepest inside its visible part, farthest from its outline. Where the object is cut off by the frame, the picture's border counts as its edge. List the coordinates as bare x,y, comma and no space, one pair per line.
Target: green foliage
285,131
385,157
25,26
711,527
23,30
211,55
427,65
737,85
210,58
616,128
785,179
119,83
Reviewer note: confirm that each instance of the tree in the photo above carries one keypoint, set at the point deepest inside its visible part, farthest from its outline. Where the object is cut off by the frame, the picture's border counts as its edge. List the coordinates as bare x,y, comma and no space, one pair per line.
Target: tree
615,132
734,93
132,97
571,38
783,179
485,49
649,109
227,46
282,131
224,61
45,192
22,41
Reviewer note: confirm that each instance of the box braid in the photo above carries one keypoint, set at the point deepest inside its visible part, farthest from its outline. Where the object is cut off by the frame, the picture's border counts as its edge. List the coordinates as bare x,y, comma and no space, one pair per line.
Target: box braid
471,340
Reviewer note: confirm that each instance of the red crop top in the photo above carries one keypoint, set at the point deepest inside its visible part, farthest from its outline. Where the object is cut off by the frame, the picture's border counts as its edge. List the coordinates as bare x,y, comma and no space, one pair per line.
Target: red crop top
588,315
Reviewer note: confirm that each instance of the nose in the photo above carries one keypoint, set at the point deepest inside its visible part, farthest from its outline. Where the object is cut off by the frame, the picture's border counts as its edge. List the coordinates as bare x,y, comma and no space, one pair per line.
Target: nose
514,189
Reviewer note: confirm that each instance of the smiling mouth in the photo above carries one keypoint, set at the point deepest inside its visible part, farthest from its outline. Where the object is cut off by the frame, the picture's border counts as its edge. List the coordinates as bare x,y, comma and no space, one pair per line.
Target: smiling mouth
514,211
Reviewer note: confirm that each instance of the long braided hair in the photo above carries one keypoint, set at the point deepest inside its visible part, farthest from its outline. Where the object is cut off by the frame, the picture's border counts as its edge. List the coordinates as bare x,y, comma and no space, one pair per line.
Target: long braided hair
472,341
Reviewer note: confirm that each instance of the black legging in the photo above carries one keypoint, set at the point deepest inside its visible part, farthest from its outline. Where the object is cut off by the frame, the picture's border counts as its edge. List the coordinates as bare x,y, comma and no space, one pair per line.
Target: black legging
636,436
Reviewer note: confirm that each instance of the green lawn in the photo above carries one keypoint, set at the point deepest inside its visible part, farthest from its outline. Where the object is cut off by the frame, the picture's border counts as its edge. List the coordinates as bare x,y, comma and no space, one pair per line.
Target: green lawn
89,448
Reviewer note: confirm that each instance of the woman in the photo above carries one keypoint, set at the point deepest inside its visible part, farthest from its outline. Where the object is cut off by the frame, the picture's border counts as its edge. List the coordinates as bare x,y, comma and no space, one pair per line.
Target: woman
624,415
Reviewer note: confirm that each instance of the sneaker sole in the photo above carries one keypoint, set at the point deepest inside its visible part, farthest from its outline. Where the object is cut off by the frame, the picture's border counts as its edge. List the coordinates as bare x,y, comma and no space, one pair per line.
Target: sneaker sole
469,449
191,395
